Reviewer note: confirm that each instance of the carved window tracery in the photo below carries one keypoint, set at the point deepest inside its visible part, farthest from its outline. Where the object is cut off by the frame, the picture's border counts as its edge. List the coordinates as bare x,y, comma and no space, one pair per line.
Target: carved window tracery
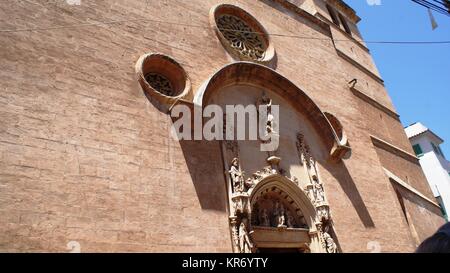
159,83
162,78
241,37
241,34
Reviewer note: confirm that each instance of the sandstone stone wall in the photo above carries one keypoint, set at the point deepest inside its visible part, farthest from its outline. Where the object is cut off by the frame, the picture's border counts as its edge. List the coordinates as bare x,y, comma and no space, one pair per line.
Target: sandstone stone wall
86,157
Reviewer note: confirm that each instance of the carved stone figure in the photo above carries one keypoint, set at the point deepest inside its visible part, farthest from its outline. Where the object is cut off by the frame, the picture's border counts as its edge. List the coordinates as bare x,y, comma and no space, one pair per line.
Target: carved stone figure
245,245
326,240
289,219
237,177
319,194
257,176
240,203
323,213
303,151
281,217
267,102
330,245
264,218
235,235
278,213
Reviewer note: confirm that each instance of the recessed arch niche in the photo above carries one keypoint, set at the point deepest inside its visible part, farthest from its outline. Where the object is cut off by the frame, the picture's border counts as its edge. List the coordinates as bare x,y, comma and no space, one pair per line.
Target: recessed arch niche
289,176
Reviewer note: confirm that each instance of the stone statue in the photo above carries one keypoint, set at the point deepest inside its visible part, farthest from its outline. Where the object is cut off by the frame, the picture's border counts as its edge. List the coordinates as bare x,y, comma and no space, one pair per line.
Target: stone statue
245,245
237,177
264,218
331,246
319,194
281,217
328,242
279,214
303,151
289,219
235,235
267,102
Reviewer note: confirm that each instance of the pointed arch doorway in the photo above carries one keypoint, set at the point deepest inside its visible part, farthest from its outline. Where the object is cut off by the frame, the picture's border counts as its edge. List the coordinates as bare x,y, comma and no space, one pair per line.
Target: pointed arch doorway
282,217
273,207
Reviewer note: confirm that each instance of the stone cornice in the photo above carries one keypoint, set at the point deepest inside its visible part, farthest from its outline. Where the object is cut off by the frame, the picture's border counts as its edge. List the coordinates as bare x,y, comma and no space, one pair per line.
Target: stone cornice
303,14
350,37
374,103
342,6
410,188
378,142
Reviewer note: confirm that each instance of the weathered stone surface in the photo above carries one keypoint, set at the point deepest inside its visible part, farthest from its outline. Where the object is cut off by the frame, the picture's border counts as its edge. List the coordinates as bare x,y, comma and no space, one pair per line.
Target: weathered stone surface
86,157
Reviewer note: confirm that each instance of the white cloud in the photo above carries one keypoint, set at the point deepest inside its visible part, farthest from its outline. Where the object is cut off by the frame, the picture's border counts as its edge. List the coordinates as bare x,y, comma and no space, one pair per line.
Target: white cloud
374,2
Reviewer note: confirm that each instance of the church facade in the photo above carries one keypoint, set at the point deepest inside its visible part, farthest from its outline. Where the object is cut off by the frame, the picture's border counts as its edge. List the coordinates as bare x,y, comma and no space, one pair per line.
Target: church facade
92,91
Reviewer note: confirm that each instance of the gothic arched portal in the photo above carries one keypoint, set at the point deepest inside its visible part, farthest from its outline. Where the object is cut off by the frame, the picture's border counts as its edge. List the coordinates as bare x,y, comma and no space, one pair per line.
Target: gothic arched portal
276,199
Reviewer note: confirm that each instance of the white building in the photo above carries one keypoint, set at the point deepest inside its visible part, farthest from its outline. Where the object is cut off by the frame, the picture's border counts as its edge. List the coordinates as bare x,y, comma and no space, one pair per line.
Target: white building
436,168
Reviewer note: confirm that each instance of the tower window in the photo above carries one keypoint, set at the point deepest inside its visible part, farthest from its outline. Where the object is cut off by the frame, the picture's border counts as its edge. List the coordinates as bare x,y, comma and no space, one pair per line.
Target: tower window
437,149
440,151
333,15
344,23
417,150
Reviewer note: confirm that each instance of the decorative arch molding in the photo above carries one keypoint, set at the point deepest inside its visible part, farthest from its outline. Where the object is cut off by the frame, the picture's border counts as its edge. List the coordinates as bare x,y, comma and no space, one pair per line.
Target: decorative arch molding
294,193
341,136
257,75
298,218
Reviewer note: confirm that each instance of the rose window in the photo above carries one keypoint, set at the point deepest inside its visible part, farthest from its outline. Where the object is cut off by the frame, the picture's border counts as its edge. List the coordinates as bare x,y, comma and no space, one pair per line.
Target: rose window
242,37
159,83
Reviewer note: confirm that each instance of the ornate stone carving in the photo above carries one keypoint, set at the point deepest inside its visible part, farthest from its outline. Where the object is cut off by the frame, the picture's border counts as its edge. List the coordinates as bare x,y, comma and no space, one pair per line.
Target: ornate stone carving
241,37
274,162
159,83
319,194
234,233
236,175
303,151
258,176
328,241
267,103
264,218
245,244
240,203
278,212
330,245
289,219
323,213
162,78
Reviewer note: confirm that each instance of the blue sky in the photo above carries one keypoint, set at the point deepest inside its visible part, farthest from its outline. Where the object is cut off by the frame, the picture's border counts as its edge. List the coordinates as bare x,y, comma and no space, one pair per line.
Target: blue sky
417,77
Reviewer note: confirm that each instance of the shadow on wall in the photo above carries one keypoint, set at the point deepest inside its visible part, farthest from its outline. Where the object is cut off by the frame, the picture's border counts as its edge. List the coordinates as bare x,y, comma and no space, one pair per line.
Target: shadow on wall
204,161
282,7
341,174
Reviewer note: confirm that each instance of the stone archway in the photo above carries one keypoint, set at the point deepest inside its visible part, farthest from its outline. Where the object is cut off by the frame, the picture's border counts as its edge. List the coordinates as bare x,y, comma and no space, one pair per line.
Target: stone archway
279,215
261,181
282,216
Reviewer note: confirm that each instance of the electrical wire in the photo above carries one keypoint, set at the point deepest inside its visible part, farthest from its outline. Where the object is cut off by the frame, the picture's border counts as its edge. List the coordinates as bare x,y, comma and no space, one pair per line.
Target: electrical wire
87,24
440,6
